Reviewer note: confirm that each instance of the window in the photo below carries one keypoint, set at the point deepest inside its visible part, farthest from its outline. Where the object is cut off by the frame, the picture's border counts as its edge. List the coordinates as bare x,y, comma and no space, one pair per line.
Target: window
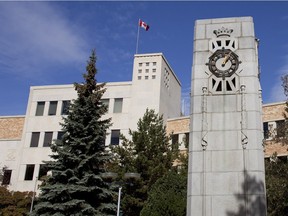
186,142
140,64
60,135
280,127
118,102
105,102
52,108
153,77
146,77
175,141
42,171
153,70
154,63
65,107
139,77
34,139
6,177
147,63
115,137
147,70
29,172
40,108
47,139
139,71
266,130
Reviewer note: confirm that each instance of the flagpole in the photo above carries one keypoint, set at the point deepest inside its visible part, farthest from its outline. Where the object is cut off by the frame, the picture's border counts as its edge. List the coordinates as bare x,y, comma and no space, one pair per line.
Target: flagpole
137,37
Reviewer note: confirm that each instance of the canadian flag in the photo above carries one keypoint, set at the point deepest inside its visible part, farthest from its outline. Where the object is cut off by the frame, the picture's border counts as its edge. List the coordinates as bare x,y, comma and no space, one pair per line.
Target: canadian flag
143,25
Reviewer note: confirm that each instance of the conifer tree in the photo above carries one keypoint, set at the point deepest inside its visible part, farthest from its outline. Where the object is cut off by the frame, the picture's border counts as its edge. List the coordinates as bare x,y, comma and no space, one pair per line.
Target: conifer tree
148,153
75,186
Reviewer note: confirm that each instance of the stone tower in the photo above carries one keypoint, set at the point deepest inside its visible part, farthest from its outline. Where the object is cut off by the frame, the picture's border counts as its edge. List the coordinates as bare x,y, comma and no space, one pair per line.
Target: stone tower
226,160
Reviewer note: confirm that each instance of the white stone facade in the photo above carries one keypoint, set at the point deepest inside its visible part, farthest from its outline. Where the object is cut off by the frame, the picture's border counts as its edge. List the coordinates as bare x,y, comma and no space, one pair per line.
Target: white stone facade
226,160
155,87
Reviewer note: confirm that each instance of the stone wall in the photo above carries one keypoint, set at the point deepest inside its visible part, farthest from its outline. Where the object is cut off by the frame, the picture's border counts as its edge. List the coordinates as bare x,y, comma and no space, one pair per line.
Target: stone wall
11,127
179,125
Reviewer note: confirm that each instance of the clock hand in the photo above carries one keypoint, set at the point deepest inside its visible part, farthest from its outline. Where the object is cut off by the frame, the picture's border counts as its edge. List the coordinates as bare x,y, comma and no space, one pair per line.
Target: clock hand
226,59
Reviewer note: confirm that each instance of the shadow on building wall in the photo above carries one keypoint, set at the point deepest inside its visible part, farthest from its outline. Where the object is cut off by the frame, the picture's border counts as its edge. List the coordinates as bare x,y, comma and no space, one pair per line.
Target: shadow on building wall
252,201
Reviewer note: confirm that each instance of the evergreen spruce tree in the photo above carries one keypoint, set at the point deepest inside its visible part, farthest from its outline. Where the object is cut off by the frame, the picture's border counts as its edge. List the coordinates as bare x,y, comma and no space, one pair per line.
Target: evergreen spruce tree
148,153
75,186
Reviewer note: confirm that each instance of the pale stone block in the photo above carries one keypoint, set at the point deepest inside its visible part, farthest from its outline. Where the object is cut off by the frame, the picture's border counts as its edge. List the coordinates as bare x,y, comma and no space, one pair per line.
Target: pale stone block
199,32
235,26
197,183
230,140
227,205
200,72
248,69
196,124
247,43
224,183
246,55
225,20
254,160
196,104
197,86
203,22
223,121
255,139
200,58
195,141
223,103
255,184
196,162
248,29
251,85
252,102
201,45
226,161
196,203
254,120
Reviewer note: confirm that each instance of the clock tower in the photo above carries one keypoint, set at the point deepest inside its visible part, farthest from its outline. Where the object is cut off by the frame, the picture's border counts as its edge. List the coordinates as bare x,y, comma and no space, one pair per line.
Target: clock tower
226,161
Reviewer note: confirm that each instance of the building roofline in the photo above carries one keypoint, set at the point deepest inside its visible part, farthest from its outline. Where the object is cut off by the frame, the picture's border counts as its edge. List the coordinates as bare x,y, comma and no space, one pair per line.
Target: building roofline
162,55
14,116
274,103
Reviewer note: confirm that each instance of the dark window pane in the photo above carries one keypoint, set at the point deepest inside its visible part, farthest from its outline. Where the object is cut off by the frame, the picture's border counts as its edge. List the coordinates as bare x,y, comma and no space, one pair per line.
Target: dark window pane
35,139
280,127
6,177
175,139
65,107
106,102
29,172
186,140
47,139
60,135
42,171
118,105
266,130
52,108
115,137
40,108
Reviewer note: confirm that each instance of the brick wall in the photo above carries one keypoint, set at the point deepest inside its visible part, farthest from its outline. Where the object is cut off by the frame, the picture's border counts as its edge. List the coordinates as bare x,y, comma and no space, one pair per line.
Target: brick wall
11,127
273,112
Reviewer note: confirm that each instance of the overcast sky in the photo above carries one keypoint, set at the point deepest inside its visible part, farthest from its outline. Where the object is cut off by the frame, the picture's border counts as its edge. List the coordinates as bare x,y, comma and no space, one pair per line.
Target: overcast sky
48,43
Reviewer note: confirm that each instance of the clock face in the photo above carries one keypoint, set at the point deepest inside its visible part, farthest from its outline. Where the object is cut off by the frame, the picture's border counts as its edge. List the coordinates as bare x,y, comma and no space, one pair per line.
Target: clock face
223,63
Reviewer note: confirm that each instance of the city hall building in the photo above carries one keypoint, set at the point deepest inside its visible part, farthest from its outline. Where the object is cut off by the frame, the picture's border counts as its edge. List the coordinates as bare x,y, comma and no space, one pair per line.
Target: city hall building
24,140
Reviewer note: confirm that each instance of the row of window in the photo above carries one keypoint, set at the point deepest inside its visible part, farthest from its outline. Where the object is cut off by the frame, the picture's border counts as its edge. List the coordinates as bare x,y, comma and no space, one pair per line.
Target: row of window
52,108
48,138
147,64
118,103
147,70
147,77
29,173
